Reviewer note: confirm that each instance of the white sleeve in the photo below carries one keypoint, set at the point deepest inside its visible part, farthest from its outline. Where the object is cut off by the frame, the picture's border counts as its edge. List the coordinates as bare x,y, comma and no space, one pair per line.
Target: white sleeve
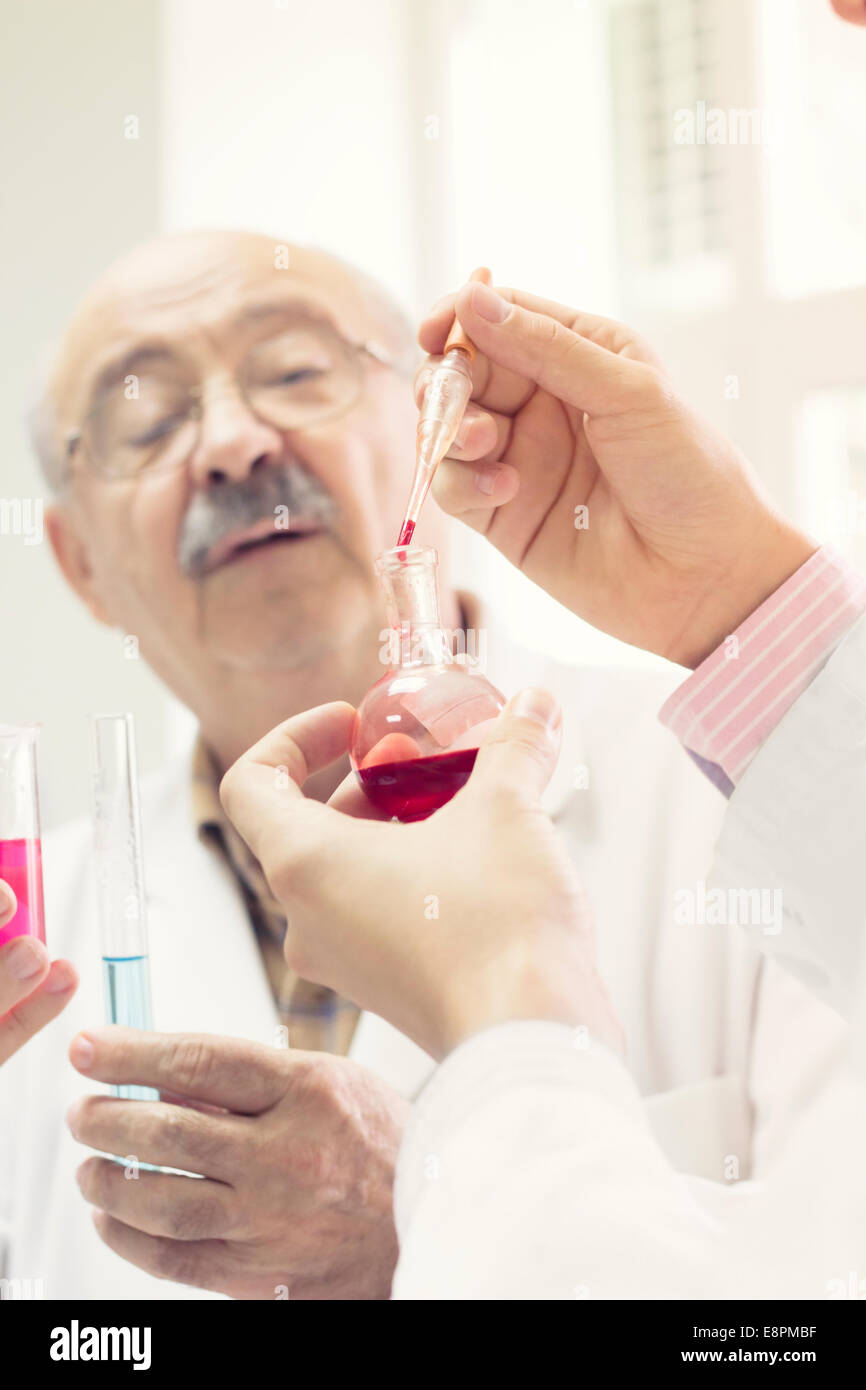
529,1172
796,829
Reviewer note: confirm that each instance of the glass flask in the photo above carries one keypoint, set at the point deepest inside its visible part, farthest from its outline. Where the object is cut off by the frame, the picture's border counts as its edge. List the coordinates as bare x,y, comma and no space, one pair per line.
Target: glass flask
418,729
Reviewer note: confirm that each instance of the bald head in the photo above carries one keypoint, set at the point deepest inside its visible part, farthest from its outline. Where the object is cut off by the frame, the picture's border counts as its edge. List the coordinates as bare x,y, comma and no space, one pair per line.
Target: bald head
172,283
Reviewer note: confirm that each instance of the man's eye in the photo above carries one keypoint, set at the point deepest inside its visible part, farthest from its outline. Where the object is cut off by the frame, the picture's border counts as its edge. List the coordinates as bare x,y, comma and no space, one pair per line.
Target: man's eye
297,376
157,431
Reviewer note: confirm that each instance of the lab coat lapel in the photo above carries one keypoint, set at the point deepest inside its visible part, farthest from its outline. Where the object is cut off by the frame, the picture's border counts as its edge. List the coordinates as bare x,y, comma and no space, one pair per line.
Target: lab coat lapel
214,983
512,668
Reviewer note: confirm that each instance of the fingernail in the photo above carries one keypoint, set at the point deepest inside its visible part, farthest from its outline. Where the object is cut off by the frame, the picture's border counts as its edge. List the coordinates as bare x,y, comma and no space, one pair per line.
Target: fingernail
488,304
7,897
59,979
26,958
81,1052
485,480
539,705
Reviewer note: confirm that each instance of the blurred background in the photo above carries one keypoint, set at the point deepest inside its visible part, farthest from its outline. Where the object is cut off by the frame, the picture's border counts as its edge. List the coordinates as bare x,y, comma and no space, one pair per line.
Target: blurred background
694,167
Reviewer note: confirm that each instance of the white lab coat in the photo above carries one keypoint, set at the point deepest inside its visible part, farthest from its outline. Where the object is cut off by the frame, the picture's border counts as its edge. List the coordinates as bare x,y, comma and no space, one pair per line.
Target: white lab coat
529,1169
696,1002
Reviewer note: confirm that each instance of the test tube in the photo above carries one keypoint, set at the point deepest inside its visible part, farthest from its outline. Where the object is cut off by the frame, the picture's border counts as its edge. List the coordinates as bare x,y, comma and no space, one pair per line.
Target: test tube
120,881
20,842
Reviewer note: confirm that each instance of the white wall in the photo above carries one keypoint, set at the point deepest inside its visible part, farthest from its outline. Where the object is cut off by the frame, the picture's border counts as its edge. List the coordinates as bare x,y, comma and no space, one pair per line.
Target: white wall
525,91
75,193
292,118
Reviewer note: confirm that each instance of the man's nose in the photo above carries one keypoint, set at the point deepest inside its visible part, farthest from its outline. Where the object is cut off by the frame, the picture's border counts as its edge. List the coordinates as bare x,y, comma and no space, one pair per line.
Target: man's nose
232,442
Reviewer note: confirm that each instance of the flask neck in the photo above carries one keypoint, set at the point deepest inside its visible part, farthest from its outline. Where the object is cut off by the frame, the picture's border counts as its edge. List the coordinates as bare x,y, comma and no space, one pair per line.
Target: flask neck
409,579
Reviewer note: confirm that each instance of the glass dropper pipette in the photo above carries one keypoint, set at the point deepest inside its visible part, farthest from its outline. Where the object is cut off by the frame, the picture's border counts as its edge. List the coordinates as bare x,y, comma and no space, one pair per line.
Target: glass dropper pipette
442,409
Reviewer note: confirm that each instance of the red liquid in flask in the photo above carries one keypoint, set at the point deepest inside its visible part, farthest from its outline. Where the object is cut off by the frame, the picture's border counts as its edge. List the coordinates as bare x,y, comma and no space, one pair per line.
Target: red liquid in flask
414,789
21,868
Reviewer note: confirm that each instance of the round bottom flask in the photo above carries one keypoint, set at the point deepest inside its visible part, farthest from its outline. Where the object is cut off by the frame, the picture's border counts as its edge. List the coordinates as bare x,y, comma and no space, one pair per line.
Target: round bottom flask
418,729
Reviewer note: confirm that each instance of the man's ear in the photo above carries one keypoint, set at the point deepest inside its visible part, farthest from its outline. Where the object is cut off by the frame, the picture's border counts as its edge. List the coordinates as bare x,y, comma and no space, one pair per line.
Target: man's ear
71,555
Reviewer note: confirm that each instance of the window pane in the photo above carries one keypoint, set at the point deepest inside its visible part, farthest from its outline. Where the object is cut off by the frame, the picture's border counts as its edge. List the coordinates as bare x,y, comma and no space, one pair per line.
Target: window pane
813,79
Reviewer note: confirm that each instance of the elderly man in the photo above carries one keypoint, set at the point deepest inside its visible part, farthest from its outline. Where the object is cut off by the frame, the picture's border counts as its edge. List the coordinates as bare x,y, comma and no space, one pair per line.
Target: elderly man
228,431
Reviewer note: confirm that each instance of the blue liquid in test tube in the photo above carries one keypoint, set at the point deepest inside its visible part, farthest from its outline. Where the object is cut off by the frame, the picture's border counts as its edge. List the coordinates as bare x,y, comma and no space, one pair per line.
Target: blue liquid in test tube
126,989
120,881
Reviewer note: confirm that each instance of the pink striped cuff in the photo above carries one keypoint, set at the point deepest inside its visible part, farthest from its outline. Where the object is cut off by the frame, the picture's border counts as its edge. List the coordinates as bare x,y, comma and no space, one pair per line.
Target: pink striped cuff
731,704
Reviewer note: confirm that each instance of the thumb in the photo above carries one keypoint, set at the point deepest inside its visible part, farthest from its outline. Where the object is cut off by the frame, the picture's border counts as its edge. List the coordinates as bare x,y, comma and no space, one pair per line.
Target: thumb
522,748
262,792
544,349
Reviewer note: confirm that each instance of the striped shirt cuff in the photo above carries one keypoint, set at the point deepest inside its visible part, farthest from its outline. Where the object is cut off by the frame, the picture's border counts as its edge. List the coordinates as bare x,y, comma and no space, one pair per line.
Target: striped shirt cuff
731,704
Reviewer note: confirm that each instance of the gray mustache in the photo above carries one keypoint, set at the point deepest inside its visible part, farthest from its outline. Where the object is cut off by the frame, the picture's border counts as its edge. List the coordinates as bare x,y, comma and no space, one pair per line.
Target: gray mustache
229,506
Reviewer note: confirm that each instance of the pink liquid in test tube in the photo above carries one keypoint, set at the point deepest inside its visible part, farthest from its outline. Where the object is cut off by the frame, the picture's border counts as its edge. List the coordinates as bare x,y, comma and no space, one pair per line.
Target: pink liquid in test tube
20,840
21,868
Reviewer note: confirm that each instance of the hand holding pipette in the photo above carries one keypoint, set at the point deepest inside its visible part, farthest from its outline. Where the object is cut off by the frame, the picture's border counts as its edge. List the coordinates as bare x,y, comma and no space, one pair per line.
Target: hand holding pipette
589,472
442,409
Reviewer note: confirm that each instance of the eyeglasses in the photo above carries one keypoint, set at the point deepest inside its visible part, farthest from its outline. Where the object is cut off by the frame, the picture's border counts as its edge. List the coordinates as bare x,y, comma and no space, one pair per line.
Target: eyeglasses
151,420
